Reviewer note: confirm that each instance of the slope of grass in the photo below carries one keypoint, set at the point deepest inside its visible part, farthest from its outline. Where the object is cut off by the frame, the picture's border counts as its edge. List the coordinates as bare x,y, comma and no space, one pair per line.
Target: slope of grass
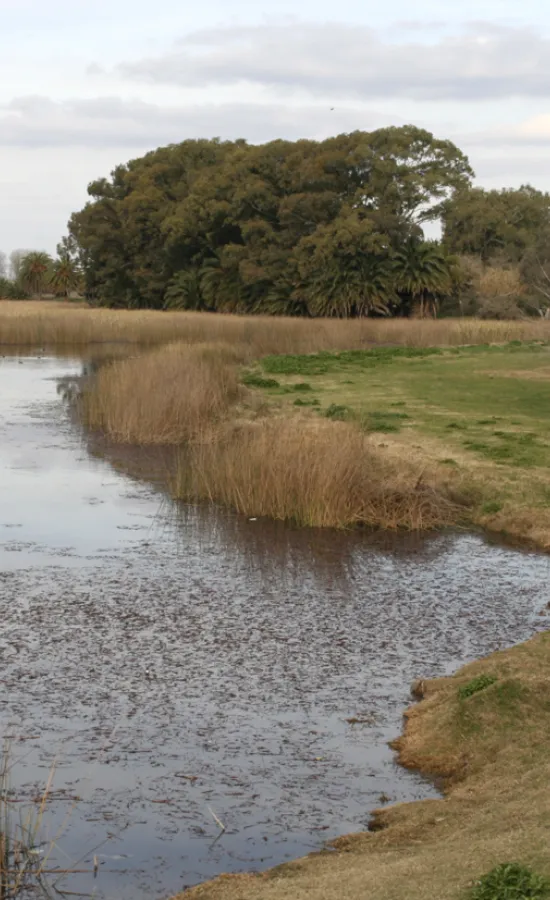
490,833
477,415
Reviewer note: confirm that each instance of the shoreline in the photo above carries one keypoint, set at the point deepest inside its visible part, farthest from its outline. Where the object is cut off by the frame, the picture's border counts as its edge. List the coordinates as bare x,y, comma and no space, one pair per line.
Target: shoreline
370,863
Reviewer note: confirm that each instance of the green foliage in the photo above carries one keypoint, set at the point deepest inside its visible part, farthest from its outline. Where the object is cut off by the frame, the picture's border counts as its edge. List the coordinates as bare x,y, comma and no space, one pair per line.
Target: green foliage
65,275
423,272
301,228
252,379
11,290
475,686
511,881
491,507
36,272
495,223
301,386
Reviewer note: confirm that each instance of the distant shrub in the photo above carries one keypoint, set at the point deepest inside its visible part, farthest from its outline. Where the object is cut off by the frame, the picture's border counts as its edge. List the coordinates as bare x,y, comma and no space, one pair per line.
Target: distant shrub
511,881
9,290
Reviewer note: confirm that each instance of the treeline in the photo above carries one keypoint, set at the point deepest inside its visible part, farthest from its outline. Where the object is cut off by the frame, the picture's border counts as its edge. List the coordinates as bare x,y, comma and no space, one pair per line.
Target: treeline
34,273
330,228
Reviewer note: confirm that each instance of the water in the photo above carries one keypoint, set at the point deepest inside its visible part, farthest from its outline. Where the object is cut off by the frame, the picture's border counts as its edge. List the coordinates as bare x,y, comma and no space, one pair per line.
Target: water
182,665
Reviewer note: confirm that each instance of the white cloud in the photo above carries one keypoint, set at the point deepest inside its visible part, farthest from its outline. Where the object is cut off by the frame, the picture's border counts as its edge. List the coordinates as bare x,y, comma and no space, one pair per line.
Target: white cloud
483,61
112,122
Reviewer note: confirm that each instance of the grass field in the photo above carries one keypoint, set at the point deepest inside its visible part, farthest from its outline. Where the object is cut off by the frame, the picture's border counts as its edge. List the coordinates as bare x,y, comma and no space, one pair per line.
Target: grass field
477,416
486,731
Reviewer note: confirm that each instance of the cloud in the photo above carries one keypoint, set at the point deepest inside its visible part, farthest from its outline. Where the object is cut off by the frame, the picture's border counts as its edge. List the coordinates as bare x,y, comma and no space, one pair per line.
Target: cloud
483,61
532,133
113,122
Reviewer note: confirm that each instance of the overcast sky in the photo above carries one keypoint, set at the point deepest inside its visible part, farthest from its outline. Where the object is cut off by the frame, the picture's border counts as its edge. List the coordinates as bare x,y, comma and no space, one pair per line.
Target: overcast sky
86,84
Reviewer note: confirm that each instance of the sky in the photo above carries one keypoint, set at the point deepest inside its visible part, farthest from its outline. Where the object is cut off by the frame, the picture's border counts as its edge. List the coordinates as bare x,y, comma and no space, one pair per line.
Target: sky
88,84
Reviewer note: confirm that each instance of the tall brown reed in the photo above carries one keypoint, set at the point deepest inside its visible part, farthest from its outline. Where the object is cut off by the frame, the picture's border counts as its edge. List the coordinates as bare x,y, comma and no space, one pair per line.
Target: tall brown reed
41,324
311,472
165,396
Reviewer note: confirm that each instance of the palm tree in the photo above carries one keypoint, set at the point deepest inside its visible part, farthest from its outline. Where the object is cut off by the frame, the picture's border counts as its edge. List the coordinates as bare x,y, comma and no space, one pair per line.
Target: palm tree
35,271
65,275
423,272
351,286
184,291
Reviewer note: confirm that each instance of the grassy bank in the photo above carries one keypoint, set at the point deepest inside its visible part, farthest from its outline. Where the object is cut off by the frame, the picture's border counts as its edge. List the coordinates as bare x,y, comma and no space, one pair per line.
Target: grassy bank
237,452
486,732
474,417
401,436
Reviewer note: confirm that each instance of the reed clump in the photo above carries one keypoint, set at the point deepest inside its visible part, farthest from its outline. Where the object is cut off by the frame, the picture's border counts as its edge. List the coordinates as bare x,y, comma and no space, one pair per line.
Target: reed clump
311,472
166,396
41,324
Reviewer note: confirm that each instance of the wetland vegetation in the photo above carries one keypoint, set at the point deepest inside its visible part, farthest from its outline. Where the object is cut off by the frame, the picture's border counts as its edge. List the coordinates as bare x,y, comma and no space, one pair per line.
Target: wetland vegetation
270,316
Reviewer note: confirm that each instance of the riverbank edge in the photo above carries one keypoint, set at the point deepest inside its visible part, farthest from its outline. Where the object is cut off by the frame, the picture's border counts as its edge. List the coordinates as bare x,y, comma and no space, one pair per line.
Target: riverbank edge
484,749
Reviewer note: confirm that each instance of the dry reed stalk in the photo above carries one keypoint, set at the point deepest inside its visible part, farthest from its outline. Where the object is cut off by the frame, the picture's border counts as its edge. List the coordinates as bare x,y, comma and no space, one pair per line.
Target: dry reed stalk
166,396
311,472
43,324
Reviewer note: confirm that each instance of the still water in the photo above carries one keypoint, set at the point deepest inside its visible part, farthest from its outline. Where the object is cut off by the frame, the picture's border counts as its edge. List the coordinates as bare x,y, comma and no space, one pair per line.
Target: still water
181,665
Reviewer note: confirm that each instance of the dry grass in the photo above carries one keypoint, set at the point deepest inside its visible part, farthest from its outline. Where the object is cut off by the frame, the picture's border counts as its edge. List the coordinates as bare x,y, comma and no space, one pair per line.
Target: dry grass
493,749
166,396
311,472
49,324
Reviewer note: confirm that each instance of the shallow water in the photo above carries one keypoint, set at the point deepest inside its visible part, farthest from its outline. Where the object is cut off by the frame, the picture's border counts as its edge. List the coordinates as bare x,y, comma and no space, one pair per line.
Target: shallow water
184,664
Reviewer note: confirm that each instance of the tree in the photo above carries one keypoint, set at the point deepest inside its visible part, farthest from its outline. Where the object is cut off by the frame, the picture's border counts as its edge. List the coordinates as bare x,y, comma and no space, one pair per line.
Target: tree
184,291
423,273
239,228
3,265
345,270
490,223
35,272
65,275
16,262
535,274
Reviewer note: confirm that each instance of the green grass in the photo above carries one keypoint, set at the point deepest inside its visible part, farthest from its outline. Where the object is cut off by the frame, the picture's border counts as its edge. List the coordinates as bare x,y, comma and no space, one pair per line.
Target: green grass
251,379
300,402
325,363
511,881
482,411
464,390
384,421
475,686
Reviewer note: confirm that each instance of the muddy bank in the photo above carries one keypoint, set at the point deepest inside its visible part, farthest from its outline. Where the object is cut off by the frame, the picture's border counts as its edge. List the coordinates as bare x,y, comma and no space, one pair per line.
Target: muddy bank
180,662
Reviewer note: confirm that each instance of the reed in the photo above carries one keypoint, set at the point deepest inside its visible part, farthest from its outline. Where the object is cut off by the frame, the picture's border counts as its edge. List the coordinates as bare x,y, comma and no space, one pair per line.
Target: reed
166,396
52,324
311,472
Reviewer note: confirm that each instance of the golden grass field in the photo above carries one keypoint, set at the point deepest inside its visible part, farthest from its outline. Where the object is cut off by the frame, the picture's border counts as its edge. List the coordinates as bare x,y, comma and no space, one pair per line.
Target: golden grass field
51,323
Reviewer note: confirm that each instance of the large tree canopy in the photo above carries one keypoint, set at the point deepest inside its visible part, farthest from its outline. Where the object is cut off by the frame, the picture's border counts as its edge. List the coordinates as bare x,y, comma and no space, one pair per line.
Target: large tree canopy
491,224
305,227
